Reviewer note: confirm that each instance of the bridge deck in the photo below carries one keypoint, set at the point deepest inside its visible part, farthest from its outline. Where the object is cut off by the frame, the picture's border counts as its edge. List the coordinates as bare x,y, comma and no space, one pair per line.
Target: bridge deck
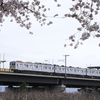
17,78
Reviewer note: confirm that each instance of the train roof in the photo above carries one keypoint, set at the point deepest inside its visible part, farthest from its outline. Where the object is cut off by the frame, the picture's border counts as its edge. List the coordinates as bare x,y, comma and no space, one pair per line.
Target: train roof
96,67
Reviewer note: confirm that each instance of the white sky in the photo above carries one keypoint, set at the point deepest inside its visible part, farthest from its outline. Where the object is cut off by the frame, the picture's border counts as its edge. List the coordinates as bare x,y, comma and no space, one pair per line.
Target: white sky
47,42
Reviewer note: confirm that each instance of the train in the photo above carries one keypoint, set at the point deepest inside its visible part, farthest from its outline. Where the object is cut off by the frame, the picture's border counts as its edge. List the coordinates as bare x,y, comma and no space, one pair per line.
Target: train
53,69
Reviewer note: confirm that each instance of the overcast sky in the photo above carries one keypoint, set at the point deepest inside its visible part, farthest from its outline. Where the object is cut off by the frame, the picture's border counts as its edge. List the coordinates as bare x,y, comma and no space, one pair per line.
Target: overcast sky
47,42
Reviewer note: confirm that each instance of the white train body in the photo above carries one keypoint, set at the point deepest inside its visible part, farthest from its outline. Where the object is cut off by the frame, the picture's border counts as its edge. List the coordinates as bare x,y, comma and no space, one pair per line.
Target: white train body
76,71
28,66
93,72
41,68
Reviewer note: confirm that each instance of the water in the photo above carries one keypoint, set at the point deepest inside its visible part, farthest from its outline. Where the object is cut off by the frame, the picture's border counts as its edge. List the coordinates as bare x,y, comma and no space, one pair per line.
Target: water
2,88
68,90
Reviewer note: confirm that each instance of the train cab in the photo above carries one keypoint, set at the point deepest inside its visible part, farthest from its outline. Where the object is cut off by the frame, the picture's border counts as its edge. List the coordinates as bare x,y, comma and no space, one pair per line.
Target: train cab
12,65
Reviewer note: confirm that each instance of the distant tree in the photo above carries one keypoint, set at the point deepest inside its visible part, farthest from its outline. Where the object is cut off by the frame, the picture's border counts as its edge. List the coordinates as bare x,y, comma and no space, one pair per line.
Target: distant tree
23,87
84,11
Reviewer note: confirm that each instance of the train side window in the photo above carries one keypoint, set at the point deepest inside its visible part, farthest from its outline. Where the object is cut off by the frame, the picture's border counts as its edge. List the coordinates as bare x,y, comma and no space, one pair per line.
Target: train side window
17,65
70,69
21,65
53,68
50,68
63,68
40,66
92,71
78,70
26,65
67,69
36,66
31,65
59,68
45,67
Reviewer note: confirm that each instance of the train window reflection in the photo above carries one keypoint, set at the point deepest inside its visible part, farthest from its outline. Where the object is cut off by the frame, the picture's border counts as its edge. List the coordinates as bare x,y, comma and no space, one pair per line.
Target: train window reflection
31,65
26,65
21,65
36,66
50,68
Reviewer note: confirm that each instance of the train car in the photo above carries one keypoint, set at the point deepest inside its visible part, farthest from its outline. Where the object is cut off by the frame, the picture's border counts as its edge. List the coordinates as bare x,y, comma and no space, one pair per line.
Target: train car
43,68
77,72
59,70
32,68
94,73
70,71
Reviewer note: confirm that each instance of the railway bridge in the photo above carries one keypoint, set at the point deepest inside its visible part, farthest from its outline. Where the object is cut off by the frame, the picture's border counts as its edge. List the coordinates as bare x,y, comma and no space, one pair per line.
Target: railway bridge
56,82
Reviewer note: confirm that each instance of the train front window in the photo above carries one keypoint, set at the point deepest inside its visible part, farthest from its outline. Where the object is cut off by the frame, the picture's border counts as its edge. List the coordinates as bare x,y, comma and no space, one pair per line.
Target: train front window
12,64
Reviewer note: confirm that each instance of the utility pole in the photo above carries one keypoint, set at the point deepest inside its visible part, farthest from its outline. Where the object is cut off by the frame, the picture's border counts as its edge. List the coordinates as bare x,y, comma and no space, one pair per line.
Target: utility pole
65,64
3,59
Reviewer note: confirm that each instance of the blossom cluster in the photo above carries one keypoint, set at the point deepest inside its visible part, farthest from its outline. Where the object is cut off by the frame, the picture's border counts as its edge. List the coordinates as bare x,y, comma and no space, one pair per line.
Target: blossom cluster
21,12
84,12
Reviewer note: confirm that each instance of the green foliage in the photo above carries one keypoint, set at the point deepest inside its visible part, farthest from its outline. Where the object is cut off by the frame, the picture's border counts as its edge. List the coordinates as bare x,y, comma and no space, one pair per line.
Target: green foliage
3,61
23,87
